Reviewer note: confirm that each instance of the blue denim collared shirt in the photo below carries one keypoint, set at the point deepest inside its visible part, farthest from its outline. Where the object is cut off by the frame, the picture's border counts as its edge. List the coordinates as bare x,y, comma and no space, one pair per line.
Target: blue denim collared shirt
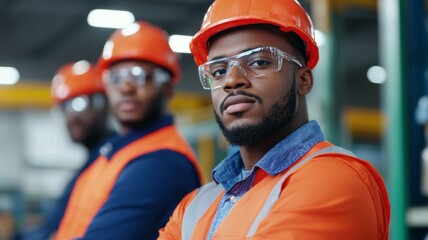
231,175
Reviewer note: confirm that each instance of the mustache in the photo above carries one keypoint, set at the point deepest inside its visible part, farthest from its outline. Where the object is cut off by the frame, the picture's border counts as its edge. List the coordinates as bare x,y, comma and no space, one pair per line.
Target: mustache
240,92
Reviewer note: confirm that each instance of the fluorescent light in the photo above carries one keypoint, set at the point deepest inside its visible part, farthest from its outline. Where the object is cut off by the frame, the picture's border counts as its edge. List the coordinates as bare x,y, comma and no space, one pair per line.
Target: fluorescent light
180,43
376,74
8,75
106,18
319,38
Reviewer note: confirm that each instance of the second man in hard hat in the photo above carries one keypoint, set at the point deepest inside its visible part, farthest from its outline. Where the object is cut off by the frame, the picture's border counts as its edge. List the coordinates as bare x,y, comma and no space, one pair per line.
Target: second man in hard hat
132,188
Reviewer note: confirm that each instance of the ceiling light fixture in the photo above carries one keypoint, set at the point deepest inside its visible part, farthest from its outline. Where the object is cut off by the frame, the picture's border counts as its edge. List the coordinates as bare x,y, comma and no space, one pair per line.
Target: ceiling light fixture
105,18
180,43
376,74
8,75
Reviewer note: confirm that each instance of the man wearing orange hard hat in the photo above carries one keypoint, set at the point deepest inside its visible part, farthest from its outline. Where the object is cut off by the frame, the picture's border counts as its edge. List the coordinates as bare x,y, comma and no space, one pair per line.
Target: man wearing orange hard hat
132,188
285,181
78,90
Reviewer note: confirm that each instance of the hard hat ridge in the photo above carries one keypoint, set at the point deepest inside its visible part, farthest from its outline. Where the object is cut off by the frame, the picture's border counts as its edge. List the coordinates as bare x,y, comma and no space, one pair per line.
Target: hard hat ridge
74,79
141,41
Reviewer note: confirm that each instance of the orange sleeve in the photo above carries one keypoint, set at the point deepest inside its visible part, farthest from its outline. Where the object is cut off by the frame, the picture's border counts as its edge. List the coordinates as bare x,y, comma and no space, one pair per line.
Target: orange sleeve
328,199
172,230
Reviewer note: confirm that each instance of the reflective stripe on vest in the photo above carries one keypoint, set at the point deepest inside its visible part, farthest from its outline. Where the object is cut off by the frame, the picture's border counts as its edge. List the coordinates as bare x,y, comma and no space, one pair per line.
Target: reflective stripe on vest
94,185
205,197
208,193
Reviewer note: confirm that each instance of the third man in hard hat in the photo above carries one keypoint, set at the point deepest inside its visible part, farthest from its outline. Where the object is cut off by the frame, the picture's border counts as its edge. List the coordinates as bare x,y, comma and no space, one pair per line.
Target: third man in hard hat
78,91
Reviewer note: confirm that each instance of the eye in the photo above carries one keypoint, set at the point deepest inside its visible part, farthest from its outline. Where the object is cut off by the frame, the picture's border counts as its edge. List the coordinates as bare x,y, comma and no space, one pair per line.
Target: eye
138,75
161,76
115,79
140,79
219,73
259,63
218,70
260,59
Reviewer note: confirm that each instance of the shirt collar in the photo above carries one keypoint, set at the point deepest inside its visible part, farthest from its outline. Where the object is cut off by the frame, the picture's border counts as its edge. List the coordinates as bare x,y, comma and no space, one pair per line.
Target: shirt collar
276,160
117,142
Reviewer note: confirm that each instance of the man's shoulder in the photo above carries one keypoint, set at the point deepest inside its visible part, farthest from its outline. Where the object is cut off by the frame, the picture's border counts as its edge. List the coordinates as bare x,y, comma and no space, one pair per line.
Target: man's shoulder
329,163
161,156
339,171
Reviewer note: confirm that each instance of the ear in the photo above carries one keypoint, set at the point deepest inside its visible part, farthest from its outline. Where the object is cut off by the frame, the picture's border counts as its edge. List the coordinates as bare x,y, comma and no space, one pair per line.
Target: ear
304,81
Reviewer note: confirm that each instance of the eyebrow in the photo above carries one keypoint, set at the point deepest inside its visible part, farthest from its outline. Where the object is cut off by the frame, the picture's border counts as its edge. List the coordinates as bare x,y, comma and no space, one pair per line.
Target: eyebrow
222,56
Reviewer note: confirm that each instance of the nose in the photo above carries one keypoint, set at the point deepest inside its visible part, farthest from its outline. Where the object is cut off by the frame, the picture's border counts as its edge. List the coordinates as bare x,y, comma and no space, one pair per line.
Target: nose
236,76
126,85
71,116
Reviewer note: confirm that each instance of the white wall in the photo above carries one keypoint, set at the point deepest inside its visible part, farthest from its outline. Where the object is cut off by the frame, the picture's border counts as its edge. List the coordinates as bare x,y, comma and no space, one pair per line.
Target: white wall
36,153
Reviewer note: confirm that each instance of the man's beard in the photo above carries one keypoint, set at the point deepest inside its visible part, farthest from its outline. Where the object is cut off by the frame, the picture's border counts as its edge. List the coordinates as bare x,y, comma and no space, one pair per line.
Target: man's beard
280,114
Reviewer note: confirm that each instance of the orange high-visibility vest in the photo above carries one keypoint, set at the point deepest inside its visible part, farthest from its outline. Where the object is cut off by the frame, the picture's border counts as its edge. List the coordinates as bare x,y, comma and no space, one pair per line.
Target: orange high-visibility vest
307,201
93,187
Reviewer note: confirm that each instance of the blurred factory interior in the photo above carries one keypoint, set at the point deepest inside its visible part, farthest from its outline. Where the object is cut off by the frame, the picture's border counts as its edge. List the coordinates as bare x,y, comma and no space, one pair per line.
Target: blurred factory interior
372,72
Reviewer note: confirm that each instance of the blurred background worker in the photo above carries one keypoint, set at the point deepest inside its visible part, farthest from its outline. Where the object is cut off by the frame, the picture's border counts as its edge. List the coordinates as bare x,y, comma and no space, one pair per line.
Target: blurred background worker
131,190
79,92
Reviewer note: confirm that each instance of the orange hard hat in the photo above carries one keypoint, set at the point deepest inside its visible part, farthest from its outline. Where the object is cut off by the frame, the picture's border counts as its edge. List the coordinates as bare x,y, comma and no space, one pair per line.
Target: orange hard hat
288,15
74,79
141,41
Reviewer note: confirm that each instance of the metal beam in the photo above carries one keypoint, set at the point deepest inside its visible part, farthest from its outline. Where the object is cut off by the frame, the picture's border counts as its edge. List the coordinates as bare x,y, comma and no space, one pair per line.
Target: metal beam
391,25
345,4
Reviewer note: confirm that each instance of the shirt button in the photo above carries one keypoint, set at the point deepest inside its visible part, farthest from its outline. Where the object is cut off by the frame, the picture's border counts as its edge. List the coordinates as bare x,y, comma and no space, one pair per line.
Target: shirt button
105,149
233,199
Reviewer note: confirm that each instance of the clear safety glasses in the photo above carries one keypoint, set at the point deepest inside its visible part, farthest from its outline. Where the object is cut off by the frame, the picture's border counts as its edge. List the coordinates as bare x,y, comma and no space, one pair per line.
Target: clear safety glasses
83,103
136,75
253,63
